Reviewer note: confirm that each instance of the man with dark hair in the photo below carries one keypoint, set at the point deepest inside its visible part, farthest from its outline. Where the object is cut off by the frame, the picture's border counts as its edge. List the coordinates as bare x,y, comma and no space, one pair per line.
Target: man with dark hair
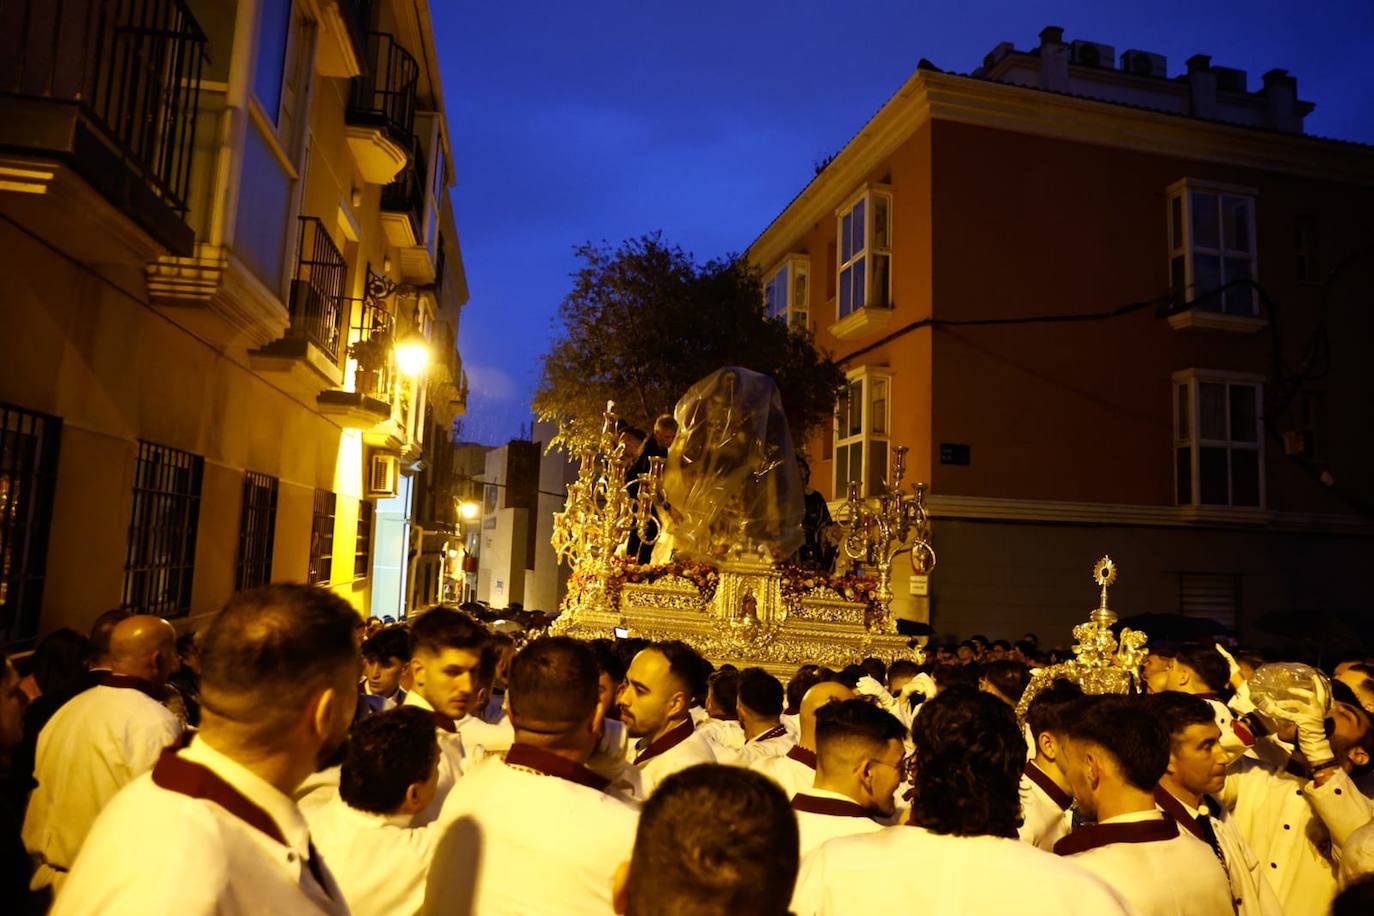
100,741
859,753
389,774
712,839
473,730
446,653
1115,751
279,674
1299,811
385,655
610,757
899,673
1199,670
1046,799
663,682
101,631
999,649
1005,679
1186,792
805,678
538,807
504,648
759,702
795,771
722,726
969,753
1359,677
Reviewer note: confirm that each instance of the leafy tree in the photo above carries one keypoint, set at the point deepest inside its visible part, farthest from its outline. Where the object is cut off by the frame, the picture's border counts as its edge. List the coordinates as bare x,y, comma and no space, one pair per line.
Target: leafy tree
644,321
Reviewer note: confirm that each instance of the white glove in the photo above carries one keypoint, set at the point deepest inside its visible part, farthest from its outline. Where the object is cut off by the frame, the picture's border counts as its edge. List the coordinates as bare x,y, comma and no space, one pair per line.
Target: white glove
869,687
1307,710
923,684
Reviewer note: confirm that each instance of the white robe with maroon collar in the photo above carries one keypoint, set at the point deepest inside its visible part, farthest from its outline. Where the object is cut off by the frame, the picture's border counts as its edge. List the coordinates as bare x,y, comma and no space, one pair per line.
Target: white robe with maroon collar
679,748
823,815
795,770
1046,809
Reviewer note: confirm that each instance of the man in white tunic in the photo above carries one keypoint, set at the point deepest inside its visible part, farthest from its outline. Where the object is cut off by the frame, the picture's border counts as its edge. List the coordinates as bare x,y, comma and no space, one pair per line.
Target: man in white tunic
279,674
655,705
386,655
100,741
446,648
1046,802
723,728
1297,811
1115,751
760,702
389,774
1187,790
795,771
535,832
960,854
860,753
712,839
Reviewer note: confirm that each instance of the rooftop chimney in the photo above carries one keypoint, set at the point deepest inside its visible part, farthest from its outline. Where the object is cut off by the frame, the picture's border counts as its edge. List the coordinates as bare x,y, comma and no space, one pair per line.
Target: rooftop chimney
1202,82
1282,92
1054,59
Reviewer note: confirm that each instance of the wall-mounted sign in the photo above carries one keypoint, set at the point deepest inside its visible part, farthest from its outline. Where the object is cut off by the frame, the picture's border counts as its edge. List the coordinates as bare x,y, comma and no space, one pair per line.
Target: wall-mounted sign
920,586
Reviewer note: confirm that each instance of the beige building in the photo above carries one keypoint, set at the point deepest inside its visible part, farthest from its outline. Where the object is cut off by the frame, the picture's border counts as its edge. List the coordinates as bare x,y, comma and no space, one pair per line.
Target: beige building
229,245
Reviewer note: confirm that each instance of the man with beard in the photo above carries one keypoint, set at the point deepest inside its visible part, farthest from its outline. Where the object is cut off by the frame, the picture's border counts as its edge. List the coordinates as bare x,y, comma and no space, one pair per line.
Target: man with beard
278,691
663,682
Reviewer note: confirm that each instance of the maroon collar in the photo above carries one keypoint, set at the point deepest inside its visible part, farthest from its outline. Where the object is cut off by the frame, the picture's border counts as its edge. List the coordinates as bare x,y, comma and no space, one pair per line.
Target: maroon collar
1085,838
777,731
176,774
835,807
110,679
802,755
671,739
1048,786
444,722
535,758
1176,809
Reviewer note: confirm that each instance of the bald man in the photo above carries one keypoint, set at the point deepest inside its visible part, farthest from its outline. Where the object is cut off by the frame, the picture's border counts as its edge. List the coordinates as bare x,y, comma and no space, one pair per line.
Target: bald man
795,771
101,740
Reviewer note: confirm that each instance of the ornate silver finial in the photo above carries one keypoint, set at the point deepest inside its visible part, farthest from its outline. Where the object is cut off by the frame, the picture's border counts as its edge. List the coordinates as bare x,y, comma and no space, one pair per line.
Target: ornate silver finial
1104,574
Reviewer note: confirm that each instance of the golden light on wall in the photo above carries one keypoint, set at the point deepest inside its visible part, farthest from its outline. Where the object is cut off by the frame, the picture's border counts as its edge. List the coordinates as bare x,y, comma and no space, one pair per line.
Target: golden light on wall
412,354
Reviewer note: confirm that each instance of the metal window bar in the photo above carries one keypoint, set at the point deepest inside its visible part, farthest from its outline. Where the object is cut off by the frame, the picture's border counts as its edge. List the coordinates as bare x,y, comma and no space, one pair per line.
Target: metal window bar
374,320
133,67
407,193
385,94
322,538
317,292
257,528
362,553
161,553
29,443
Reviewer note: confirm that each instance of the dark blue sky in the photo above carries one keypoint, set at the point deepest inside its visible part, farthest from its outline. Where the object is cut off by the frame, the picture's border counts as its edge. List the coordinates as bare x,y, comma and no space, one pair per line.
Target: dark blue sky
576,122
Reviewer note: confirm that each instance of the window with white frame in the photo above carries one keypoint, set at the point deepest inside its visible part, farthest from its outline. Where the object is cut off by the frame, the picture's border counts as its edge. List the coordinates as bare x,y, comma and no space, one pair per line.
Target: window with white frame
864,253
1212,246
862,417
787,292
1218,439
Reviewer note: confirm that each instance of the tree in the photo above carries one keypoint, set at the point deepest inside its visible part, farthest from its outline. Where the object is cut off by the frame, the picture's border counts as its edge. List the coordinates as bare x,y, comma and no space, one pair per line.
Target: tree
644,321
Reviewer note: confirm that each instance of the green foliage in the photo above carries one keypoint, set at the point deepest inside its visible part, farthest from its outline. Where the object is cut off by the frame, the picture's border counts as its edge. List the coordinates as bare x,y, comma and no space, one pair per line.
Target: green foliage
643,322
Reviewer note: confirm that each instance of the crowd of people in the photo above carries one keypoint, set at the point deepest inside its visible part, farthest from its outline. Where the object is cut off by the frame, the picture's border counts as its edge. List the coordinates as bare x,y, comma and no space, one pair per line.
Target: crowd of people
292,759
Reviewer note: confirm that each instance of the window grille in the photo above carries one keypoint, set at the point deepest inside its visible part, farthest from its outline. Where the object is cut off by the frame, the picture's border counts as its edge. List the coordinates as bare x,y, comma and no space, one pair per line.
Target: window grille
322,537
161,553
257,527
28,472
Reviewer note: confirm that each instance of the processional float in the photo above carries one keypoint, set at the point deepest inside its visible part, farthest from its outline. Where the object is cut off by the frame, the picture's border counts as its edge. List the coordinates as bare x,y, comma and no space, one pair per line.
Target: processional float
731,499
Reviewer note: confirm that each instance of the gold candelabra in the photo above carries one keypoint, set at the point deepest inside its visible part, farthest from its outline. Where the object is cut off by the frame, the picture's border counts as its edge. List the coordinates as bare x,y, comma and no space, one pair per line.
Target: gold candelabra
1102,663
600,510
876,535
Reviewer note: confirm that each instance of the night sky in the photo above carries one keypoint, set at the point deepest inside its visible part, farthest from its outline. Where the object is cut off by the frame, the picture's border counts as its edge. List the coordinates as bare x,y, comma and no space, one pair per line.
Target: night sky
604,120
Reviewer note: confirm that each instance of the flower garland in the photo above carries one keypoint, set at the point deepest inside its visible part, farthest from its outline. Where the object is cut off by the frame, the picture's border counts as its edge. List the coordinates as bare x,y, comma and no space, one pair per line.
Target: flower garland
798,583
702,575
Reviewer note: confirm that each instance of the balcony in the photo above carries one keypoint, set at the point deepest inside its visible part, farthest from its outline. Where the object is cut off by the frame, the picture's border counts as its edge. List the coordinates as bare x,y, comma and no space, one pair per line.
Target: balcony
368,405
381,109
107,89
343,37
311,351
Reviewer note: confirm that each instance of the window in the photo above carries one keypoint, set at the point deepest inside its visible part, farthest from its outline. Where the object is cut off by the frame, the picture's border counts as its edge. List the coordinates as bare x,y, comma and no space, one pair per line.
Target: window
864,258
28,471
269,70
162,530
322,538
362,549
1305,248
1215,596
787,292
861,433
257,528
1212,246
1218,426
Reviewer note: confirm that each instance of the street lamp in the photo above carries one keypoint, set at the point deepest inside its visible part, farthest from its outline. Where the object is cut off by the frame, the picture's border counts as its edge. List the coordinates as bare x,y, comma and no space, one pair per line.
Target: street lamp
412,354
468,510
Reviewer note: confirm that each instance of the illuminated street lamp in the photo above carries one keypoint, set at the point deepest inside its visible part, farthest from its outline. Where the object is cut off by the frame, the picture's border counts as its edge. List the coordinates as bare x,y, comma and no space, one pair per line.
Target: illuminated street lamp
468,510
412,354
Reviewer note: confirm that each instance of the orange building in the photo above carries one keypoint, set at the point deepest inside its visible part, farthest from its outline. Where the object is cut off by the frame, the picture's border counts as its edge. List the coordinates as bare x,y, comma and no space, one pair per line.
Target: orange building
1108,311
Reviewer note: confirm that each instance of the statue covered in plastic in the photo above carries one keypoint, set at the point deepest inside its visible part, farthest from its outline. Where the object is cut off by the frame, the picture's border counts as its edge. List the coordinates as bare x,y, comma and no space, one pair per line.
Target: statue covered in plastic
731,477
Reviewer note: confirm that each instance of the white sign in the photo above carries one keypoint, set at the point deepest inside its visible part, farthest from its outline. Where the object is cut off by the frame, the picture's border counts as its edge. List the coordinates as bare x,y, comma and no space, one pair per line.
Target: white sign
920,585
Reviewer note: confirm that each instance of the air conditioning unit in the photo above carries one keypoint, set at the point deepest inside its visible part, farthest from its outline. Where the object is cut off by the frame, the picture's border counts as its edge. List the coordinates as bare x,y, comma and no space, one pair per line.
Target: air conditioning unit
383,474
1092,54
1144,63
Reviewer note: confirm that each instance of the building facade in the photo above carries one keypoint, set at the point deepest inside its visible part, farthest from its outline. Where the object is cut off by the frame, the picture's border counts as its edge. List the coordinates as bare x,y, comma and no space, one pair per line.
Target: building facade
230,249
1108,311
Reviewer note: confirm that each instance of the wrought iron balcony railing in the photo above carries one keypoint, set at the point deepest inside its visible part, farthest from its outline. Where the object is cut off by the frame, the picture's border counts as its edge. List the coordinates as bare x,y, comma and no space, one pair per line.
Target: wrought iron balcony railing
384,96
374,333
317,292
131,70
407,193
